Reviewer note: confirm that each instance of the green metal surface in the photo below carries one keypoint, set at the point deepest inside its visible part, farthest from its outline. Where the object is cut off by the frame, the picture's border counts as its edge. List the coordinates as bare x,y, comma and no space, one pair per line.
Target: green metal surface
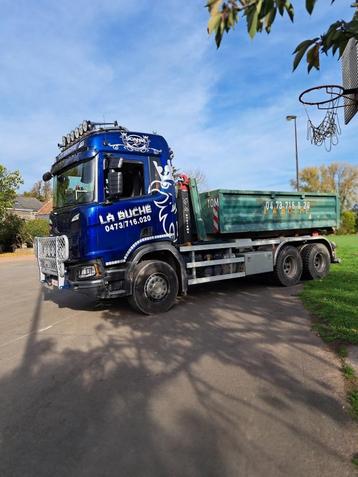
196,203
259,211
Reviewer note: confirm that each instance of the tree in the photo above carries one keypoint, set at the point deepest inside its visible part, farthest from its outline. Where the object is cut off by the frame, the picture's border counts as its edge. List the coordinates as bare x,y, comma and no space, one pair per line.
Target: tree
261,14
37,228
196,174
348,222
9,183
337,177
12,233
40,190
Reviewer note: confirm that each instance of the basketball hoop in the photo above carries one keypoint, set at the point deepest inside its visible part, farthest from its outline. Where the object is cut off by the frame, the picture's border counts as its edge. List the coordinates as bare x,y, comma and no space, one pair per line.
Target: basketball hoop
327,98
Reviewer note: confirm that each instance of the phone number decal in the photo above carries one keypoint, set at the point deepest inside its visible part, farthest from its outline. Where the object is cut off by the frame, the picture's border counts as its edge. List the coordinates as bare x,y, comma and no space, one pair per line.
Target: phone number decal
127,223
289,206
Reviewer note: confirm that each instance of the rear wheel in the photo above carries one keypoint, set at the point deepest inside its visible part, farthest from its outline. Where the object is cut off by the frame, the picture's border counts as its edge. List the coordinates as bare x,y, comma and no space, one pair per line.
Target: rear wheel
316,261
155,287
288,269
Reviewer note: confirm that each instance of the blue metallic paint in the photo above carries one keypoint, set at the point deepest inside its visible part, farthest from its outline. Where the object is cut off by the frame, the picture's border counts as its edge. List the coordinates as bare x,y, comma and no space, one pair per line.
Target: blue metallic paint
89,238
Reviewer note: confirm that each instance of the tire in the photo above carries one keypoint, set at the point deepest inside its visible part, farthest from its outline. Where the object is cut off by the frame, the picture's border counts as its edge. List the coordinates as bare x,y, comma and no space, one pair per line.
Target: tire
316,261
288,269
155,287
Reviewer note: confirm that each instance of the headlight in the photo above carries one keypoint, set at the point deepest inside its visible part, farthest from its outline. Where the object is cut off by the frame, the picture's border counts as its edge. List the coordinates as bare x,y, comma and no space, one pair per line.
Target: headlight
75,217
87,271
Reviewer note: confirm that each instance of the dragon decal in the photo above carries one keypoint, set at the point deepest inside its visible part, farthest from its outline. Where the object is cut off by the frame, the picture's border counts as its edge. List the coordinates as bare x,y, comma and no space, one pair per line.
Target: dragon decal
164,185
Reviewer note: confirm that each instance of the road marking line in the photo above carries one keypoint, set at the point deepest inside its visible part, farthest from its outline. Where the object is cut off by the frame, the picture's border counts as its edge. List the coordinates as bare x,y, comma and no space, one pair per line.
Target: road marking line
37,331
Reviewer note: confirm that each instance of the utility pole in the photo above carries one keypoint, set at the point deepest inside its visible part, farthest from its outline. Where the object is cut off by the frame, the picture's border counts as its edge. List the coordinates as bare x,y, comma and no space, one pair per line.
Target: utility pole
294,119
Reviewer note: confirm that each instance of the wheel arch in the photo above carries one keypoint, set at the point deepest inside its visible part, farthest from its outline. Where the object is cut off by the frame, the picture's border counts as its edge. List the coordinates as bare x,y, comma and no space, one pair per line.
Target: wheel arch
163,251
300,243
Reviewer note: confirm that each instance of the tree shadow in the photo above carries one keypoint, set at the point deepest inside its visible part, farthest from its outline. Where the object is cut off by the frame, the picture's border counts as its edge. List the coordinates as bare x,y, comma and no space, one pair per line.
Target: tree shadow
169,395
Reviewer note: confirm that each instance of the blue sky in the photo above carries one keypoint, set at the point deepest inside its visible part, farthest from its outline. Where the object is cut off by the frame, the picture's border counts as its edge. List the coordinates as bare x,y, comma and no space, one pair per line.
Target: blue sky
152,66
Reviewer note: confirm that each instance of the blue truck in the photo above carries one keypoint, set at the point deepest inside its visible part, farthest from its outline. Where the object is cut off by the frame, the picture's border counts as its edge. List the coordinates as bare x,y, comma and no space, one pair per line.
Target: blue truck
122,226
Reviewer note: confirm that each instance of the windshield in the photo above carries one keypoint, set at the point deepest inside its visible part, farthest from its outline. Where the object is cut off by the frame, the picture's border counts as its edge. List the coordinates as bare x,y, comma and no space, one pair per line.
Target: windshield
75,185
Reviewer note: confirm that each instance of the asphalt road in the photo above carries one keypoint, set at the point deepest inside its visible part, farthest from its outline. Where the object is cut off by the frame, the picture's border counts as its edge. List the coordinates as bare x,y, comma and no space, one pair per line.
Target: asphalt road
231,382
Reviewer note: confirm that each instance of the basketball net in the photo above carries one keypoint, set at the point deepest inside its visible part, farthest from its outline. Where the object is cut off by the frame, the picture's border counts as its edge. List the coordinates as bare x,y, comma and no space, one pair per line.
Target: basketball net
327,132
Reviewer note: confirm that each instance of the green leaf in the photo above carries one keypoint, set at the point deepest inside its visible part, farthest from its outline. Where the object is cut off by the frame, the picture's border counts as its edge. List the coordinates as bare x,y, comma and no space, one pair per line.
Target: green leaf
213,6
330,38
267,7
214,22
269,19
313,58
290,10
301,50
281,6
310,5
252,15
253,24
259,6
305,43
218,38
342,47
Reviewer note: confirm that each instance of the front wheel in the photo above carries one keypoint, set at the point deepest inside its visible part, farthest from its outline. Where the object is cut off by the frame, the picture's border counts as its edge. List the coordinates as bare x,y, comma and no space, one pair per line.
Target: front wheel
155,287
288,269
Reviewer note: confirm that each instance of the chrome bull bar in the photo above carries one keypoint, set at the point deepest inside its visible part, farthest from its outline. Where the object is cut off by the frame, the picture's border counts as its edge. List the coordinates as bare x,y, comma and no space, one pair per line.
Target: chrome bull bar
51,253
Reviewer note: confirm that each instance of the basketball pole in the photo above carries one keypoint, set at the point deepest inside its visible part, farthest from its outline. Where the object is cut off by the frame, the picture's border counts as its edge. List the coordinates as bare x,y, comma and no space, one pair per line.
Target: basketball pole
294,118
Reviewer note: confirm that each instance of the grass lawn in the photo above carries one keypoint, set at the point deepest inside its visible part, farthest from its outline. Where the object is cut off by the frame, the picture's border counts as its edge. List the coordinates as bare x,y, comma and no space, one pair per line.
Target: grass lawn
334,300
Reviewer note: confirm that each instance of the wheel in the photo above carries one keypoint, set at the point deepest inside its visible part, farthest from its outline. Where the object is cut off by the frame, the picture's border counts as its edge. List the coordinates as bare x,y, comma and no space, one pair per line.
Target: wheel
316,261
155,287
288,269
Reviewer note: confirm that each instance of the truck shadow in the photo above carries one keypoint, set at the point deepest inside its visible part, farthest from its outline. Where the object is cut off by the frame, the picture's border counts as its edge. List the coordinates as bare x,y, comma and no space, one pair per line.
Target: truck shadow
169,395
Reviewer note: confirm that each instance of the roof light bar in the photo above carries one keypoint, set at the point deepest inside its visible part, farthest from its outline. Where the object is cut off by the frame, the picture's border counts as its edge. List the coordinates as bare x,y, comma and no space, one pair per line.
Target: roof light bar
84,128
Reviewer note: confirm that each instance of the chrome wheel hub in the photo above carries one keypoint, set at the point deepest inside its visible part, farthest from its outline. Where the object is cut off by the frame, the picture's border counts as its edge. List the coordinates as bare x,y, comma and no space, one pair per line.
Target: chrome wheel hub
156,287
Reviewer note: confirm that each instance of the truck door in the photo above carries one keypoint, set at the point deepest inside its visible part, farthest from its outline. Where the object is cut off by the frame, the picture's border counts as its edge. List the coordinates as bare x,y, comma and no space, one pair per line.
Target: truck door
141,213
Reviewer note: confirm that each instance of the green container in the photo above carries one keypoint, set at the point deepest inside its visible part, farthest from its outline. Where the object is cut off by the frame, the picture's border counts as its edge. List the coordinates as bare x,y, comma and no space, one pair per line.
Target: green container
242,212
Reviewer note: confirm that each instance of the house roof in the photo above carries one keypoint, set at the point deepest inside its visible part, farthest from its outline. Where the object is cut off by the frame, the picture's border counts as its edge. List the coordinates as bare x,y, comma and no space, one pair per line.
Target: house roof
46,208
27,203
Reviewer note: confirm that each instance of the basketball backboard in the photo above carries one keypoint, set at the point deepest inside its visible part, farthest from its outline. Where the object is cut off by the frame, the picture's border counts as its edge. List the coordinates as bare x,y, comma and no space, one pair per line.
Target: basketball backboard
350,78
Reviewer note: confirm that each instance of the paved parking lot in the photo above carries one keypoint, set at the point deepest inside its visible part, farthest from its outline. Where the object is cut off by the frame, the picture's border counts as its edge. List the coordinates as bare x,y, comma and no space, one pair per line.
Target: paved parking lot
231,382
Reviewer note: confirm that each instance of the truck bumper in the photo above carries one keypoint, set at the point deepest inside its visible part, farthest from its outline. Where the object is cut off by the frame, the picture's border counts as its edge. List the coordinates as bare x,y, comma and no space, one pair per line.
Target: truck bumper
99,288
57,271
108,283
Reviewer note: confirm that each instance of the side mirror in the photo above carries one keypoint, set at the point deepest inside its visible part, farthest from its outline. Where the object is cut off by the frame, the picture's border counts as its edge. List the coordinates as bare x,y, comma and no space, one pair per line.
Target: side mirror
87,175
47,176
115,183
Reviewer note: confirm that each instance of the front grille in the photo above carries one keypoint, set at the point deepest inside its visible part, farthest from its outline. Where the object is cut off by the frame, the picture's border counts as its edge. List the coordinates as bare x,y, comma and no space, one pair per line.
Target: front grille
62,225
51,254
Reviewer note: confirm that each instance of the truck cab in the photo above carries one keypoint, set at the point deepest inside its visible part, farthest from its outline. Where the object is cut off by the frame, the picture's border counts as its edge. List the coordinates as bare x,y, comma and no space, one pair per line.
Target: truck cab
113,193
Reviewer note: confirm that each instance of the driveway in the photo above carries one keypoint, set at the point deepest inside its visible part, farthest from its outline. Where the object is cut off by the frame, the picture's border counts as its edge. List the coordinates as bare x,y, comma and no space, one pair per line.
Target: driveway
230,382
